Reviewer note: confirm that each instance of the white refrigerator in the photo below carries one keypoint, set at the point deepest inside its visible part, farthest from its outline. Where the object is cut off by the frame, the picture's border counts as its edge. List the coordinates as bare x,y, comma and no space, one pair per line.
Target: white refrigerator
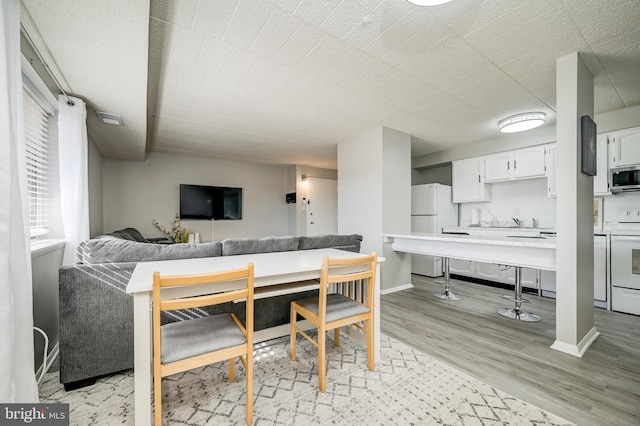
431,210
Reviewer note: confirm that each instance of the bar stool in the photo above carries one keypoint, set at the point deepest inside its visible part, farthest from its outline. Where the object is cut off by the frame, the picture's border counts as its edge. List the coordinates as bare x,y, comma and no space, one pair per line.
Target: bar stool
446,294
517,313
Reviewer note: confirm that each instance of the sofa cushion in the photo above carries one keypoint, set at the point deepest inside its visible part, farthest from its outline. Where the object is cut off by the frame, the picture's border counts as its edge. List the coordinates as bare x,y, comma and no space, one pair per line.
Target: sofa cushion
235,246
113,251
343,242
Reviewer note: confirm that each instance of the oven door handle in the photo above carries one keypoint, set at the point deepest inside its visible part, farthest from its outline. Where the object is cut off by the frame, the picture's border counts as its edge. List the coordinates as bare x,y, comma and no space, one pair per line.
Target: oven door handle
625,238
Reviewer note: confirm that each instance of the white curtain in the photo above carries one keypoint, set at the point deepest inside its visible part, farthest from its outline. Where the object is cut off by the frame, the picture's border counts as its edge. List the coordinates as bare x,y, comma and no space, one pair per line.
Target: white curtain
17,376
74,181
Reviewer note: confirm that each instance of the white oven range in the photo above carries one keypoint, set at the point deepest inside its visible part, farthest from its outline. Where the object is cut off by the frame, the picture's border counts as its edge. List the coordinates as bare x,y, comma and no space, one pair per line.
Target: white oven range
625,263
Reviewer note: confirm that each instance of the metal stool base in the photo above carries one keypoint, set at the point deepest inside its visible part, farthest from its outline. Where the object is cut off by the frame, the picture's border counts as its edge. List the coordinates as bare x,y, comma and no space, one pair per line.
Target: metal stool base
447,295
518,314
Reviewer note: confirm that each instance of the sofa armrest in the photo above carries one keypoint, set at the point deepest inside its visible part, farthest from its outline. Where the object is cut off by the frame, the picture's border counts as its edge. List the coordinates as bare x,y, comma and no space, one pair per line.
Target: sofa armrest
96,320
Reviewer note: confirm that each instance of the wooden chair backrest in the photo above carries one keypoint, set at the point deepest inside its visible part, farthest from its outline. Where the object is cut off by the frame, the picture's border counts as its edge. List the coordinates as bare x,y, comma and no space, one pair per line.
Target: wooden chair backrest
327,278
205,300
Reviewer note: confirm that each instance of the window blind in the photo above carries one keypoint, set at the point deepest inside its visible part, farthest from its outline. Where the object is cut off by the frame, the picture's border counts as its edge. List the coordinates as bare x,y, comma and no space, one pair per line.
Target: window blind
36,139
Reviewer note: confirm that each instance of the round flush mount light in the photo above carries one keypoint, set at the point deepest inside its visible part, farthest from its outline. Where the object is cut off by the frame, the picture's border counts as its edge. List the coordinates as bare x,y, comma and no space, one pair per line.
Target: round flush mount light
428,2
521,122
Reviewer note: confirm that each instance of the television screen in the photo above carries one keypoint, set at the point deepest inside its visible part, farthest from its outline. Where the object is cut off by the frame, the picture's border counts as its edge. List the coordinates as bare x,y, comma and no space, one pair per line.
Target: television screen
210,202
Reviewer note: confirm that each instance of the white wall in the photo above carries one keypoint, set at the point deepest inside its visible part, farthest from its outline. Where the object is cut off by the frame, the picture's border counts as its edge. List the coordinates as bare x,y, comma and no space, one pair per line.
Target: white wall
437,174
612,203
44,267
137,192
523,199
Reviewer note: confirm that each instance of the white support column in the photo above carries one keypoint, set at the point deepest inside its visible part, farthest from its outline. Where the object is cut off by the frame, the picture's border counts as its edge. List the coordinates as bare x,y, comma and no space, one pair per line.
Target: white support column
575,330
374,196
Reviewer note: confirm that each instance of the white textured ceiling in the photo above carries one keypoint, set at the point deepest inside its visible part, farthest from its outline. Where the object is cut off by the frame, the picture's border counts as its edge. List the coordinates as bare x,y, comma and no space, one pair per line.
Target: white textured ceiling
283,81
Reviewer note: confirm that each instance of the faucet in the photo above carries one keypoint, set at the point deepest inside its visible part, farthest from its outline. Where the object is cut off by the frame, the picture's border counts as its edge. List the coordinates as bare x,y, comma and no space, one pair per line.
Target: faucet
517,221
534,222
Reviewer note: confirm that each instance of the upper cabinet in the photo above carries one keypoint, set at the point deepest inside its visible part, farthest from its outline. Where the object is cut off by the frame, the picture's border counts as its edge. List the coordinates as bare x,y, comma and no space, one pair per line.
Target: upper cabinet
550,162
529,162
468,181
498,167
523,163
624,148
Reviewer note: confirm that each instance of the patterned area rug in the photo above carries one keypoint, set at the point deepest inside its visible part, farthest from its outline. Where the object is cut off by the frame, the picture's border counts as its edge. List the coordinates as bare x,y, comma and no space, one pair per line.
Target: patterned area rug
407,388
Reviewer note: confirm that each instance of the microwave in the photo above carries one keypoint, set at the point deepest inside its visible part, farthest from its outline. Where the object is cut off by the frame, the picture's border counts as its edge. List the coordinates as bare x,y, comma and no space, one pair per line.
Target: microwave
624,179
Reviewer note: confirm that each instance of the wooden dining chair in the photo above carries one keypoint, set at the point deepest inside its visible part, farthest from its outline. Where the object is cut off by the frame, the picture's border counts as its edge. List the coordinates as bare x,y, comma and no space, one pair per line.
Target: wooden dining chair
193,343
332,311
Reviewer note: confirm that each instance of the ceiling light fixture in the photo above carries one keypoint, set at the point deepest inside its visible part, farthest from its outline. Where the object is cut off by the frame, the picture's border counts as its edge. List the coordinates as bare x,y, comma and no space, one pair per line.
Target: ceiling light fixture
108,118
522,122
428,2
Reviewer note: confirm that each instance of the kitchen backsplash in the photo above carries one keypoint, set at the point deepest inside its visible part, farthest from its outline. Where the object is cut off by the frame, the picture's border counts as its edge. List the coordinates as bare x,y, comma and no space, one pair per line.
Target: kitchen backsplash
521,199
527,199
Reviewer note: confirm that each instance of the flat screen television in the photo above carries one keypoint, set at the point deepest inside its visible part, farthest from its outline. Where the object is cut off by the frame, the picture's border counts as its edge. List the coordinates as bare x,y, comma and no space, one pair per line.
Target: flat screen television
210,202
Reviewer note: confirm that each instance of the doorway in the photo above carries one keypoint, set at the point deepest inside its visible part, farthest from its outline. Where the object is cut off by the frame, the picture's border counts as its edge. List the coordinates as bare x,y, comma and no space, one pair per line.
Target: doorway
322,207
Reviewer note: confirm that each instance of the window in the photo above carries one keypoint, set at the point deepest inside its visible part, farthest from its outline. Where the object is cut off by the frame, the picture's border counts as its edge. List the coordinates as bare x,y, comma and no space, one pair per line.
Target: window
36,125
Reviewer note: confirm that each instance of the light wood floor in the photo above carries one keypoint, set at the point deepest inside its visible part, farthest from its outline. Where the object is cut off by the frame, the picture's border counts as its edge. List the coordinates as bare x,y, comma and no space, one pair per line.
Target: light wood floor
602,388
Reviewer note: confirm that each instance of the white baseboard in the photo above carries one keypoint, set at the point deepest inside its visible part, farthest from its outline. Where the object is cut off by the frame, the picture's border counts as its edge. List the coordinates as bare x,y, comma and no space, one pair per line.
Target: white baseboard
396,288
579,349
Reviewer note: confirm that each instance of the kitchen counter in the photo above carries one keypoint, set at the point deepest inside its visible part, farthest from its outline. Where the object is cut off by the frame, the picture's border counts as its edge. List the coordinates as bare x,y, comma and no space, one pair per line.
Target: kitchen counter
604,231
536,253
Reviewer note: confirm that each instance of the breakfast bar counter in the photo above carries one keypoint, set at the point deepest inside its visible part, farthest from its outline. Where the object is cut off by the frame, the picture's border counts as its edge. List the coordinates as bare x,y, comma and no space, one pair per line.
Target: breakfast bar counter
526,252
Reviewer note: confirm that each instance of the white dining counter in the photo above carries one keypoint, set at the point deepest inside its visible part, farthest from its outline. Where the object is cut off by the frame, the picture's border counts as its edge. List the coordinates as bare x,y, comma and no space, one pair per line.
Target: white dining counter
536,253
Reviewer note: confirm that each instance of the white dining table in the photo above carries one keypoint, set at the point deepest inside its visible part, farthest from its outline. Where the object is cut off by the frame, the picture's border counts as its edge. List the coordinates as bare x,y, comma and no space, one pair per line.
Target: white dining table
275,274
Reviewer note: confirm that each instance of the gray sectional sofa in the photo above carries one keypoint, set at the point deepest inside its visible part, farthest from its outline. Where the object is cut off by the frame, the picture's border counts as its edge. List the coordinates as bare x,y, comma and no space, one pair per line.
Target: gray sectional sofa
96,313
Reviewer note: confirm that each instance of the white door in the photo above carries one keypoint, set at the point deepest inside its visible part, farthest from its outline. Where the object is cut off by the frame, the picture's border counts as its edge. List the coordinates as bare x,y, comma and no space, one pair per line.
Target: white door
322,208
528,162
424,199
425,224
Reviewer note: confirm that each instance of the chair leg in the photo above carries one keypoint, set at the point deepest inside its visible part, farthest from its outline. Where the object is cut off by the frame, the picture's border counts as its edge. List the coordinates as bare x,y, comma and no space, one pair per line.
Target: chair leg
157,396
322,368
249,372
292,321
336,336
232,369
369,330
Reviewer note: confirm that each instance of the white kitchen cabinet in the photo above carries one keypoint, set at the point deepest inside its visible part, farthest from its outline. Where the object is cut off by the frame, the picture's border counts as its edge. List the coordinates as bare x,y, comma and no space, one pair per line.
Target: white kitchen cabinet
468,181
461,267
624,148
523,163
490,271
548,283
529,162
601,179
528,277
498,167
550,160
503,274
